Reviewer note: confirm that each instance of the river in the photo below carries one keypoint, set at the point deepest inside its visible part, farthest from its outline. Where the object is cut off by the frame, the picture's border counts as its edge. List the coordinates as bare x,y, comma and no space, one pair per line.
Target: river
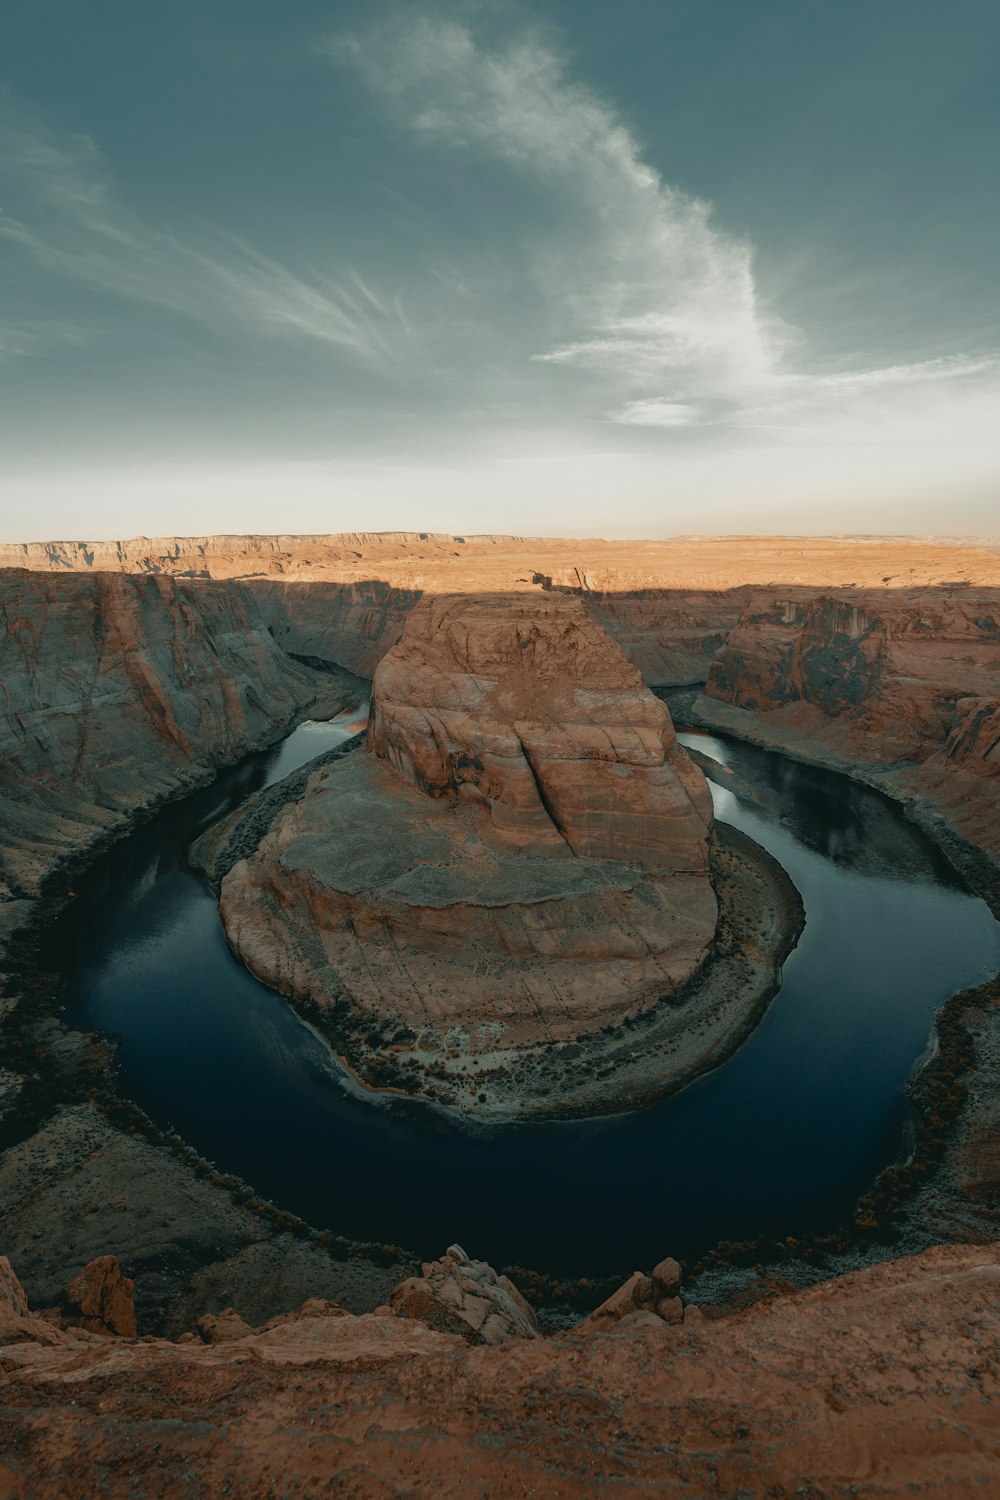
781,1139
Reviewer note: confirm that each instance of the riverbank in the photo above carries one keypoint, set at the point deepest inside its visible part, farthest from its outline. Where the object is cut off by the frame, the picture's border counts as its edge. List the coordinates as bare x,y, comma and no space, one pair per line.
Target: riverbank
948,1188
647,1056
650,1055
86,1172
725,1280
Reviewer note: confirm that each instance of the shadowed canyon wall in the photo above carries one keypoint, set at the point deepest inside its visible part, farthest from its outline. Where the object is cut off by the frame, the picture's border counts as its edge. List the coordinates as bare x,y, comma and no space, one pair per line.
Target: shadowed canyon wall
669,604
906,681
119,691
864,649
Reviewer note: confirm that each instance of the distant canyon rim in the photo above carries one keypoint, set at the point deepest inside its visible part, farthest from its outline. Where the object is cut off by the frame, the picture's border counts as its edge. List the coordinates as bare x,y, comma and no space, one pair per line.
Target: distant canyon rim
133,671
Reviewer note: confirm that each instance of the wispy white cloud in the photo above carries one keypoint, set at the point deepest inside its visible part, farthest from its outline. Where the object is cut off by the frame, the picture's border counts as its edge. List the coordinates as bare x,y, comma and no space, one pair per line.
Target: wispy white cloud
32,336
653,412
652,295
645,280
70,223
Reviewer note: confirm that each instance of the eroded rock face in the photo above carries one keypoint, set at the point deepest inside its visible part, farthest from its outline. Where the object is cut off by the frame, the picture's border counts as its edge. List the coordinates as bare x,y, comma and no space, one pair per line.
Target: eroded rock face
99,1298
529,710
521,860
903,679
116,691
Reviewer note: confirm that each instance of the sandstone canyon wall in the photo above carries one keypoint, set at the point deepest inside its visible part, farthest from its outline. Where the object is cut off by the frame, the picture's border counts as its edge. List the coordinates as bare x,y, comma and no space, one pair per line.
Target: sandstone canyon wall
905,682
669,604
118,691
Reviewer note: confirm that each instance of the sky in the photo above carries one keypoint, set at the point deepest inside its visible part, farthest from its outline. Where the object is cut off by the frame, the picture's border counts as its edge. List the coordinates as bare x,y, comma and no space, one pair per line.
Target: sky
562,268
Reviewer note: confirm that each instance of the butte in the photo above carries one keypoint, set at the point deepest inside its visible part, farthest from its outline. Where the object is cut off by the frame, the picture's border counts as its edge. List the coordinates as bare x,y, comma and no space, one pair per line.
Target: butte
517,869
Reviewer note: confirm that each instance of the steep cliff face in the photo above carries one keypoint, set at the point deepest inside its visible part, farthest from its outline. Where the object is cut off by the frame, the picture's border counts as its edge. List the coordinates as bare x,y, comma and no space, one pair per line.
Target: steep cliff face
116,691
351,624
669,634
521,860
905,680
531,711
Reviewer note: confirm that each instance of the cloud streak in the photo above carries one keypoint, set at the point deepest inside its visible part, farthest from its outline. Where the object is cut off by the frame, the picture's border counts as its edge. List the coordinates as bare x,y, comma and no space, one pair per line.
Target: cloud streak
70,224
648,283
654,299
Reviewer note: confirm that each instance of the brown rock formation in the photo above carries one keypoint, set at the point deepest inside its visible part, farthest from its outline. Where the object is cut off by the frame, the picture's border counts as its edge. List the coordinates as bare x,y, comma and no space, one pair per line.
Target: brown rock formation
643,1301
459,1295
533,867
530,711
116,692
898,679
100,1298
881,1383
669,604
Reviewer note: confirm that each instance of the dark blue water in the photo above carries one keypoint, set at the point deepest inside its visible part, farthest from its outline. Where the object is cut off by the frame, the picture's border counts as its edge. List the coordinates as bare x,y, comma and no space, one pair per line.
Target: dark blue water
781,1139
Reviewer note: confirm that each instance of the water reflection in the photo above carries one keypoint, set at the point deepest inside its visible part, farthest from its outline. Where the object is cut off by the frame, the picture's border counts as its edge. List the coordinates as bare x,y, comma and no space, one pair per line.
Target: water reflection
781,1139
849,824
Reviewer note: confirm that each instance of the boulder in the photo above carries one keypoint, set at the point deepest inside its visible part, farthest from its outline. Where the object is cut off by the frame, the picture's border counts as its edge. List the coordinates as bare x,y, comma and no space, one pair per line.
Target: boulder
670,1309
640,1302
99,1298
458,1295
224,1327
667,1277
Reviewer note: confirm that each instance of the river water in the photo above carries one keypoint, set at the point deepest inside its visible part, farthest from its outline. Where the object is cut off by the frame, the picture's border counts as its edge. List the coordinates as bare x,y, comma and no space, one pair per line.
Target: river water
781,1139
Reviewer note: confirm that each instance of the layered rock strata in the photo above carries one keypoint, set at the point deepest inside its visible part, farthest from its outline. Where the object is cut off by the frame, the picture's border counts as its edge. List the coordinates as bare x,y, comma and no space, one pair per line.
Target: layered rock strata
117,692
669,604
904,682
528,711
521,860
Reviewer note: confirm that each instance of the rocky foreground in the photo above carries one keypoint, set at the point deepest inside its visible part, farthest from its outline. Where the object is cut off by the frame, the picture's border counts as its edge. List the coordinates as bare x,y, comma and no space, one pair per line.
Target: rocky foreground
881,1383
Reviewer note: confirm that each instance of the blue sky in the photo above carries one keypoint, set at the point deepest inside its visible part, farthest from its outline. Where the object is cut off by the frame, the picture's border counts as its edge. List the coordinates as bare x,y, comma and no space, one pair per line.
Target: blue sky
566,268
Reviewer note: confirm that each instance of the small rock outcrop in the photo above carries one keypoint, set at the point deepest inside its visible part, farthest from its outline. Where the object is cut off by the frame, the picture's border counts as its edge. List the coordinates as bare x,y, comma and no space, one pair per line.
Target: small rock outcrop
99,1298
17,1322
224,1327
643,1302
459,1295
521,860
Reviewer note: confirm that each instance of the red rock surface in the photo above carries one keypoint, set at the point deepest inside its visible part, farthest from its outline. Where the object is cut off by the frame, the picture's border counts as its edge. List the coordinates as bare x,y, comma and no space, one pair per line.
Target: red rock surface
117,691
882,1383
100,1298
668,603
903,679
529,710
522,859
